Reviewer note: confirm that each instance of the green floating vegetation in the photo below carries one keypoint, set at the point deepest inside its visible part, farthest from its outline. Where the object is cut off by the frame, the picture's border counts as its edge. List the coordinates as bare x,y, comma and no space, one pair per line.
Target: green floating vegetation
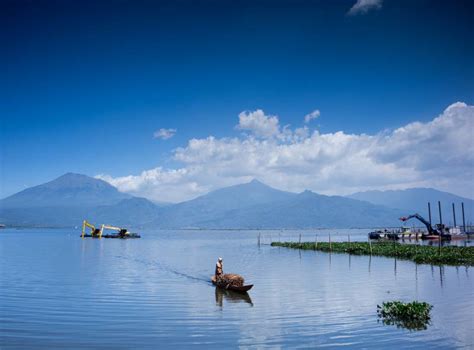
421,254
412,316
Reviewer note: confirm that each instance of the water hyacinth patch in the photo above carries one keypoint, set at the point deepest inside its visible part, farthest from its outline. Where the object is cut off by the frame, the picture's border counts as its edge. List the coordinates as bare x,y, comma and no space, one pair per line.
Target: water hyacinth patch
412,316
420,254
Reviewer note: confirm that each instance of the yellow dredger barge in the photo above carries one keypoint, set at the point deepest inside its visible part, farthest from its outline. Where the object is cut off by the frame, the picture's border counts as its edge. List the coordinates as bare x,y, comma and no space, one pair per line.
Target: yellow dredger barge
99,232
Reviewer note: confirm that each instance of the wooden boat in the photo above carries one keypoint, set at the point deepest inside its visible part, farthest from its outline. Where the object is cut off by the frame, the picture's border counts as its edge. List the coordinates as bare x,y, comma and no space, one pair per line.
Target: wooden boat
242,289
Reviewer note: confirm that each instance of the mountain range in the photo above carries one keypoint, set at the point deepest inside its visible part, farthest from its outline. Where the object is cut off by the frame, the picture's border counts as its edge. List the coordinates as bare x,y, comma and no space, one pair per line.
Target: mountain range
415,200
69,199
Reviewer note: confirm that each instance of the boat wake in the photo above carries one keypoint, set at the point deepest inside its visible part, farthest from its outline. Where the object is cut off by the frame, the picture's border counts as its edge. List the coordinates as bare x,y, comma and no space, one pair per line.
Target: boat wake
158,265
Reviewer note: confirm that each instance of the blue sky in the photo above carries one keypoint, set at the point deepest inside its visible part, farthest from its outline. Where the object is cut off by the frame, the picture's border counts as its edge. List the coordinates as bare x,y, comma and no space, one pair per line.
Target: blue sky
86,84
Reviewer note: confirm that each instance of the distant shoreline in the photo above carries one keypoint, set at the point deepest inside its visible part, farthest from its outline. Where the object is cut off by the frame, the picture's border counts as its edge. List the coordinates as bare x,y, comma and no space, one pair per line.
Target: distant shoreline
216,229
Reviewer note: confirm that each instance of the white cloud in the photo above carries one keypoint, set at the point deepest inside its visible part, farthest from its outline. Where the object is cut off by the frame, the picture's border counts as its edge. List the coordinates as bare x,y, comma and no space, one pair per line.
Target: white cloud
164,134
313,115
364,6
159,184
443,146
438,153
258,124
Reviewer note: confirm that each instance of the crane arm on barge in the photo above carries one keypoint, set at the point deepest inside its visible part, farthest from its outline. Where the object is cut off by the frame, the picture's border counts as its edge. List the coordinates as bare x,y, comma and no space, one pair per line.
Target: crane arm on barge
94,231
99,232
420,218
438,231
122,232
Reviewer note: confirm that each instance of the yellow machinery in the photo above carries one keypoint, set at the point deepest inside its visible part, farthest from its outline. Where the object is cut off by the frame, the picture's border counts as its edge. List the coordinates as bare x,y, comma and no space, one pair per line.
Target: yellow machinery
99,233
94,231
122,232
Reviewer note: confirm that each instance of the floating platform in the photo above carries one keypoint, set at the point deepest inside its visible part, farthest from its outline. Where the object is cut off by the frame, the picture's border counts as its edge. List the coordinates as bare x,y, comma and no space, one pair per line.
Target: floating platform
387,235
128,236
394,236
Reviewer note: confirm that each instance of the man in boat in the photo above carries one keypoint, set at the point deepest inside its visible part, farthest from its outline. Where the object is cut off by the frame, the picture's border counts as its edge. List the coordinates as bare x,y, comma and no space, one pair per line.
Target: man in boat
219,269
227,280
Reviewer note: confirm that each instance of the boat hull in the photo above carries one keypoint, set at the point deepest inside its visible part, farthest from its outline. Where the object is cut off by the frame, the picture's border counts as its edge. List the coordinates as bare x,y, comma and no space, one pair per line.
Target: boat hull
242,289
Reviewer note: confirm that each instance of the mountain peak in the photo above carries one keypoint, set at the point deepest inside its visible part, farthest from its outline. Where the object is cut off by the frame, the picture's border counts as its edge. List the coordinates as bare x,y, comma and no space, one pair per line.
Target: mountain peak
74,180
257,182
70,189
308,194
73,175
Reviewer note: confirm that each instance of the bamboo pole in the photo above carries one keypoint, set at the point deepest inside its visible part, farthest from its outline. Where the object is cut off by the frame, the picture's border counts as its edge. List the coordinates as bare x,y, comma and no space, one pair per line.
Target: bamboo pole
463,219
429,212
454,216
441,229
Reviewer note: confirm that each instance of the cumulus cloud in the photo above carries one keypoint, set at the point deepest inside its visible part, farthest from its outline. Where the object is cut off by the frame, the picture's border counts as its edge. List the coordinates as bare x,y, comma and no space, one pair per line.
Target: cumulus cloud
259,124
363,6
313,115
164,134
438,153
169,185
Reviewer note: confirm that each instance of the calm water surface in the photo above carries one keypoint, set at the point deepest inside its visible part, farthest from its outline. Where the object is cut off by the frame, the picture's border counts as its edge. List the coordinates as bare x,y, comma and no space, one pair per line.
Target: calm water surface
59,291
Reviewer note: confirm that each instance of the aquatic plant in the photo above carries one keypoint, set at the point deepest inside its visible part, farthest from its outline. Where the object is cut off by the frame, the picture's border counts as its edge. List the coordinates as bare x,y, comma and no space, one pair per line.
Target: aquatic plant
421,254
230,279
412,316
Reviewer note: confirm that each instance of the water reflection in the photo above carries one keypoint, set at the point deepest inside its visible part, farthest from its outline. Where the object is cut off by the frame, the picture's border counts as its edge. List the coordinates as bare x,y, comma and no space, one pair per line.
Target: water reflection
231,297
395,268
441,275
416,281
156,291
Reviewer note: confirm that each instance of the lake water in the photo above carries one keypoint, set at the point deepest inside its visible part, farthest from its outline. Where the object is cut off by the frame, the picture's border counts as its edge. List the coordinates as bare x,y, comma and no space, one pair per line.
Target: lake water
59,291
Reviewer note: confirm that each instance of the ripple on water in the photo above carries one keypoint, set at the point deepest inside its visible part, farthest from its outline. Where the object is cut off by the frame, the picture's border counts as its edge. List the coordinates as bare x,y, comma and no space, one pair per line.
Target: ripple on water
63,292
